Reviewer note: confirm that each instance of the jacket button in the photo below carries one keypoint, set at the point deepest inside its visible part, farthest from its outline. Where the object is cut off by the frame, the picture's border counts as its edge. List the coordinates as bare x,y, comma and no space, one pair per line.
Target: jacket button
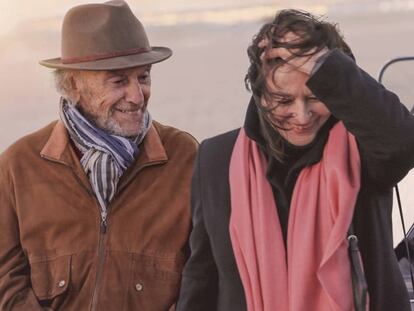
61,283
139,287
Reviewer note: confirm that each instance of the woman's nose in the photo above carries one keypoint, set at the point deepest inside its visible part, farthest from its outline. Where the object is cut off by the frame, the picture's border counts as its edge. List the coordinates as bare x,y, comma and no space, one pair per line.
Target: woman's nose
301,112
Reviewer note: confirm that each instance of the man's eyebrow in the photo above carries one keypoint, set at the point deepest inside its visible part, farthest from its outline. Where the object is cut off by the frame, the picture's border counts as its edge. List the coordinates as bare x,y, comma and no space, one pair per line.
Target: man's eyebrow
113,73
147,67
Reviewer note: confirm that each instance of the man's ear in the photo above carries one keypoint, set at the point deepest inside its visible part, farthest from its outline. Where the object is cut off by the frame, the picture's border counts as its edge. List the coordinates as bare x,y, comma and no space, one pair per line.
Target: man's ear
76,84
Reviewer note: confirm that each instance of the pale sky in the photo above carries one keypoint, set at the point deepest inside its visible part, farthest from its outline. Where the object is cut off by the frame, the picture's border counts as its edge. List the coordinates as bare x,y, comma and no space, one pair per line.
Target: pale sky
14,12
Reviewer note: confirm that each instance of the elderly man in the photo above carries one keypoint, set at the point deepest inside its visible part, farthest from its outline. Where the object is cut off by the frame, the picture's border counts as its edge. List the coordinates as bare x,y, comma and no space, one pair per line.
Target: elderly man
94,208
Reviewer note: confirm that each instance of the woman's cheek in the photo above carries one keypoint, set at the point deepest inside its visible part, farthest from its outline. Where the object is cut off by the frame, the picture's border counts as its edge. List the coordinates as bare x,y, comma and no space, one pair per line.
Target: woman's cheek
279,119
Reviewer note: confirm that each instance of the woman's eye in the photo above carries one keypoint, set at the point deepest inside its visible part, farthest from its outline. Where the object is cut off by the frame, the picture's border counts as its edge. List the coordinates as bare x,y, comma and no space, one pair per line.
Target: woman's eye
284,101
280,100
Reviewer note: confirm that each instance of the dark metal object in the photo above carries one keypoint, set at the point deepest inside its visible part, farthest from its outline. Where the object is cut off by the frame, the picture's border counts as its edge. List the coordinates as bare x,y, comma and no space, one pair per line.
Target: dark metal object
392,61
406,236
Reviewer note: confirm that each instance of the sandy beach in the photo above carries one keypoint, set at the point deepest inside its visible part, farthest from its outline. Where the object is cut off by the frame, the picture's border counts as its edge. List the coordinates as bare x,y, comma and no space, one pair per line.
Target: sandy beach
201,88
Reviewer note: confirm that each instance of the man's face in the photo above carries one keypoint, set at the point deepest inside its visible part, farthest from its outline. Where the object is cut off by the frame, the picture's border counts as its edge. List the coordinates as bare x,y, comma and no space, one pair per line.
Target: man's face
114,100
298,112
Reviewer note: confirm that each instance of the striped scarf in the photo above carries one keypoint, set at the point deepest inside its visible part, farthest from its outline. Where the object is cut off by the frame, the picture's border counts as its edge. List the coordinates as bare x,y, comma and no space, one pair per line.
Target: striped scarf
105,156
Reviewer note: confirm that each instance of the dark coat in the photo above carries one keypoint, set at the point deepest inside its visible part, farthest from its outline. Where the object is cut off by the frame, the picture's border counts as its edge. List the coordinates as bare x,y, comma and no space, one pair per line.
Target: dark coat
384,130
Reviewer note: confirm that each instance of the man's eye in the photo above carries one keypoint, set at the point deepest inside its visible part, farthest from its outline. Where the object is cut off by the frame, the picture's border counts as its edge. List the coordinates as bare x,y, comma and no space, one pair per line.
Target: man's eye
144,77
119,81
313,98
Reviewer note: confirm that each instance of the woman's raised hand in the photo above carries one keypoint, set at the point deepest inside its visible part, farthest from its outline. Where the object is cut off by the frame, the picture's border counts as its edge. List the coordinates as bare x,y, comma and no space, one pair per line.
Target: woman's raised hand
304,63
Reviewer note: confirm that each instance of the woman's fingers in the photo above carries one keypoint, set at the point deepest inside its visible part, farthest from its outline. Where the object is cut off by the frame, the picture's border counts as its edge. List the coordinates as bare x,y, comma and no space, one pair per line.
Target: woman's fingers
264,43
277,53
303,63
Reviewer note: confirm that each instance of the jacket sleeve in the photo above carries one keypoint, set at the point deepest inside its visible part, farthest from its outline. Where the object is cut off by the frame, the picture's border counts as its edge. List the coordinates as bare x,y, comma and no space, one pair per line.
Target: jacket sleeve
383,127
199,286
15,289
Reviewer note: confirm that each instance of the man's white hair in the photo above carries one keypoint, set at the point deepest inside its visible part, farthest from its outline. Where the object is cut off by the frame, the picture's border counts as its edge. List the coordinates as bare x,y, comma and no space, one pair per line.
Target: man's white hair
64,82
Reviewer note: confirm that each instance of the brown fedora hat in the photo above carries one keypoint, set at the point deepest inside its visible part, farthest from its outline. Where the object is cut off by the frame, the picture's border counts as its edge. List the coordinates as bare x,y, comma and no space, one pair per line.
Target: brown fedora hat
104,36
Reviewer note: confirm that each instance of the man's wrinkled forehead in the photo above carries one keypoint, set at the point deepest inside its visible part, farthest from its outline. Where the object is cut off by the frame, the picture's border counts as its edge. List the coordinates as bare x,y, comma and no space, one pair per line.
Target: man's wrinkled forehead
128,71
104,74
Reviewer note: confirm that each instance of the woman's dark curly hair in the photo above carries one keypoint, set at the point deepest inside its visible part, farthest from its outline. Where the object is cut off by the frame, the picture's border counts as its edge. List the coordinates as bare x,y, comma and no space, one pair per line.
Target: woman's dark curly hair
315,34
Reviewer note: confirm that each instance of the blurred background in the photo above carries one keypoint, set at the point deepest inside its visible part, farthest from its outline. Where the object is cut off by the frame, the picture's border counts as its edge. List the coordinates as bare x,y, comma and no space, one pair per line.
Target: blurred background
201,88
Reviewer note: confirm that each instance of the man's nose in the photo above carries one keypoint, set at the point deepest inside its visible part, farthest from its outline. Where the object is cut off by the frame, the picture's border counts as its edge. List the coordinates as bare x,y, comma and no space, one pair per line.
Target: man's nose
133,93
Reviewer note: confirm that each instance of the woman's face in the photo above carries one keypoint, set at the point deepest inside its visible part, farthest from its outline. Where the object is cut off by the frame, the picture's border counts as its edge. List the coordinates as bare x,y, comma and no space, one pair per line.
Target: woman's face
298,114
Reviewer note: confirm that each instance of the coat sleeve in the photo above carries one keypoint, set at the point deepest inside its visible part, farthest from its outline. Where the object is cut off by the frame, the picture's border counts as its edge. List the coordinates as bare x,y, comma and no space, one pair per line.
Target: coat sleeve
199,286
15,289
383,127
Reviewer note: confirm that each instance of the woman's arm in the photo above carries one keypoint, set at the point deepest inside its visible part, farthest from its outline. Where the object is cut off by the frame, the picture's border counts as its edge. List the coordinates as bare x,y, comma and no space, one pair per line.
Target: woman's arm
199,286
383,127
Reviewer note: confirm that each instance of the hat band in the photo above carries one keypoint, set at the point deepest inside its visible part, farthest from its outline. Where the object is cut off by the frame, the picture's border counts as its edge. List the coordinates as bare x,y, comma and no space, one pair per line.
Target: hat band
91,58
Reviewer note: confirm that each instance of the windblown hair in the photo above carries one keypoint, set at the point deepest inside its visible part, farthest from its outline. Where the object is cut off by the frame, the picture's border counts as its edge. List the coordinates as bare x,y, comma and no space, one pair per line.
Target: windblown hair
315,34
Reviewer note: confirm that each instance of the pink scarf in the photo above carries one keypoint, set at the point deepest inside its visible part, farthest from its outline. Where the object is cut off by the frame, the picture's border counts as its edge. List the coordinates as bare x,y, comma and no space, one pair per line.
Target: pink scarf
314,272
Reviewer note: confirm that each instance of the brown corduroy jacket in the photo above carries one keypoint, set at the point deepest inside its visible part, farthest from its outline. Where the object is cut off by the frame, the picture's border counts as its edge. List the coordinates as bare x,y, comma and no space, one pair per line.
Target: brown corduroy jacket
54,253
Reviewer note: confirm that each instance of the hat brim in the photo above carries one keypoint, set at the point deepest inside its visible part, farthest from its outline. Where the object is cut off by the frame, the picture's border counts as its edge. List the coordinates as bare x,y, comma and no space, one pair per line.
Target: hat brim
155,55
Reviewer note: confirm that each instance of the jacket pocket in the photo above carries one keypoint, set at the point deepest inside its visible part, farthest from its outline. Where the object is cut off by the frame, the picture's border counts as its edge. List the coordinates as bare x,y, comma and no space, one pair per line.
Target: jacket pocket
154,284
50,280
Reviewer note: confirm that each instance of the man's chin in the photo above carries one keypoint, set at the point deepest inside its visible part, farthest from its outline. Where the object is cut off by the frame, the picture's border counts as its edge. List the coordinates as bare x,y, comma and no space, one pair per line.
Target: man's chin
124,133
128,131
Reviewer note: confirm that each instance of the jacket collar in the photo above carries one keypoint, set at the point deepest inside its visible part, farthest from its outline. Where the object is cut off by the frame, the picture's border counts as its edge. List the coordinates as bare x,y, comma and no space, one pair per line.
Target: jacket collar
58,146
252,124
152,152
59,149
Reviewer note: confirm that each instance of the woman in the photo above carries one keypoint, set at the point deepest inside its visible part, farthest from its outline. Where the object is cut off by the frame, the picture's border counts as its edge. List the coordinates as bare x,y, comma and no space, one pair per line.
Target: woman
315,162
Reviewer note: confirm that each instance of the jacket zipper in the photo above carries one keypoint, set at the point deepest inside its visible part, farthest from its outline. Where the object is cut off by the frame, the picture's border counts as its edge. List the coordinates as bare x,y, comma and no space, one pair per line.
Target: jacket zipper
101,261
103,228
101,243
101,253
